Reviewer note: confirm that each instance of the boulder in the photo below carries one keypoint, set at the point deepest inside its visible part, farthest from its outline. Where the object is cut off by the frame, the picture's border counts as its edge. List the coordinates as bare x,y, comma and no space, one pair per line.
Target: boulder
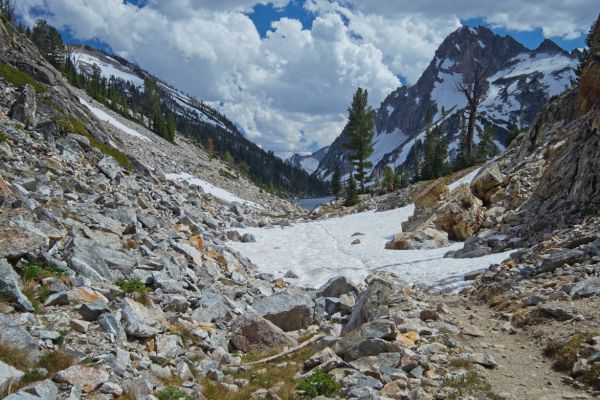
251,332
109,167
98,263
91,311
487,179
10,287
556,259
25,108
428,238
15,243
369,347
586,288
372,303
460,215
337,286
82,377
42,390
140,321
289,311
8,374
15,337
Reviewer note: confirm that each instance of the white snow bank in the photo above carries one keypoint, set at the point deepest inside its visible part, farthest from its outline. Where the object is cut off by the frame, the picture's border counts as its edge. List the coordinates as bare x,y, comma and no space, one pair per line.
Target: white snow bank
210,188
465,179
112,121
316,251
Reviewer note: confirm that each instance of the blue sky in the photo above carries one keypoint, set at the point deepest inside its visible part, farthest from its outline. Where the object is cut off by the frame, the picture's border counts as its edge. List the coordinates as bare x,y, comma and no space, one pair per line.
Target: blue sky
289,90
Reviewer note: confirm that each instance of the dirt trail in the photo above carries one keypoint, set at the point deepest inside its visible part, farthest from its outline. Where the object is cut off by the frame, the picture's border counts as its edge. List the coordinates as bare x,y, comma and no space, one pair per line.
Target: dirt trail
523,373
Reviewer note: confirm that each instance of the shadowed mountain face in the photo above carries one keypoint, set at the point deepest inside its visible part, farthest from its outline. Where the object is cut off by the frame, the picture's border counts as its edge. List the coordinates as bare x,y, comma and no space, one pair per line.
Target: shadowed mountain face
518,82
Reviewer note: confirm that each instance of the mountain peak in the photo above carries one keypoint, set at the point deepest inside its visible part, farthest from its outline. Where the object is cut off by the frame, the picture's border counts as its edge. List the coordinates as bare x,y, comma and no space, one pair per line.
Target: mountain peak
550,47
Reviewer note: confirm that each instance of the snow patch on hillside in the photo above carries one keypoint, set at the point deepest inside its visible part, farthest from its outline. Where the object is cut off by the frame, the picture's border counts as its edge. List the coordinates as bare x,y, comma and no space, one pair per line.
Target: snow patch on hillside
386,142
310,164
210,188
107,70
112,121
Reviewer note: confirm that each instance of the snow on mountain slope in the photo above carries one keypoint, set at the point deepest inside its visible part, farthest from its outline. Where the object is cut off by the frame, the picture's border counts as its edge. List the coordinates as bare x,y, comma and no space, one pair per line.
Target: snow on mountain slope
112,121
319,250
85,58
518,82
208,187
309,162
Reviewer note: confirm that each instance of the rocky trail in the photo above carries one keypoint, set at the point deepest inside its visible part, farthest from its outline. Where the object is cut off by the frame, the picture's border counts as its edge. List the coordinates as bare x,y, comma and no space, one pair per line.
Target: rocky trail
522,373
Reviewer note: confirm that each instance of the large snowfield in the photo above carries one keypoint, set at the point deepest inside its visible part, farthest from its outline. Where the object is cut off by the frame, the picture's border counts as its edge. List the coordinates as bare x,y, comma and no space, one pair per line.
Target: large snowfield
101,115
317,251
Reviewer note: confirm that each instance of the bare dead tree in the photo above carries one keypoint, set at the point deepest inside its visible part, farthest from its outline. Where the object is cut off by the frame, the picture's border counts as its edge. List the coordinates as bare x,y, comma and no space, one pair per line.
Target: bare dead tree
473,87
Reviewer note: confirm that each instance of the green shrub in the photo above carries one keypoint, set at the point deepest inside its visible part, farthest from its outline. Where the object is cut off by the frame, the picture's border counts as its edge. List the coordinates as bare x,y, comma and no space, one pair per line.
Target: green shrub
592,376
35,271
71,124
226,174
132,286
318,384
565,353
18,78
3,137
172,393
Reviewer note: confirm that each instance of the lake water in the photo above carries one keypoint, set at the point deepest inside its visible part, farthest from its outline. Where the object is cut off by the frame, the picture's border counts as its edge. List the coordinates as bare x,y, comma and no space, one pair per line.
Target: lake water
311,204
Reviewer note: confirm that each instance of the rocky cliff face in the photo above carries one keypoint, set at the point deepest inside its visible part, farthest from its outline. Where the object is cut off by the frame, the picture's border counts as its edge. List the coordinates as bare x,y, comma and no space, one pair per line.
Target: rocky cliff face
518,82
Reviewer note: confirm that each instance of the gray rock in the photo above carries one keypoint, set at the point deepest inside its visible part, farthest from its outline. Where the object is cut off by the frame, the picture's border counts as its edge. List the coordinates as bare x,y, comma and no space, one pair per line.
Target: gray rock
112,326
16,243
379,329
559,312
14,336
139,388
289,311
91,311
98,263
83,377
486,360
109,167
371,304
25,108
335,287
8,374
533,300
168,346
557,259
248,238
370,347
140,321
251,332
586,288
213,307
10,287
43,390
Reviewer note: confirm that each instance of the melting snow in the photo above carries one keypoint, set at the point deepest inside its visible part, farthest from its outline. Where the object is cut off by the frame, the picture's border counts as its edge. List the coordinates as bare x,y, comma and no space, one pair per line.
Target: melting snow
112,121
385,143
107,69
316,251
209,188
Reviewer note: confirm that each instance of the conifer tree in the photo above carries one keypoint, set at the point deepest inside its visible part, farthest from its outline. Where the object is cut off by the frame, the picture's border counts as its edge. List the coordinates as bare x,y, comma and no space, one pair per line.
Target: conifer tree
351,193
486,147
171,128
360,130
336,181
228,158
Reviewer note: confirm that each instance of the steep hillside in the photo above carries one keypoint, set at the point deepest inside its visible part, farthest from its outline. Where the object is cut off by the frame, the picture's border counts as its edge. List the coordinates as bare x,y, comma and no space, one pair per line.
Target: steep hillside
202,123
518,82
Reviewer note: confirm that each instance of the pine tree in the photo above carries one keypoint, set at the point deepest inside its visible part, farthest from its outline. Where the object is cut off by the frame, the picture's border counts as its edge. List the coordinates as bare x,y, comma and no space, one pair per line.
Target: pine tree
389,178
351,193
403,178
171,128
586,55
486,147
228,158
336,181
360,130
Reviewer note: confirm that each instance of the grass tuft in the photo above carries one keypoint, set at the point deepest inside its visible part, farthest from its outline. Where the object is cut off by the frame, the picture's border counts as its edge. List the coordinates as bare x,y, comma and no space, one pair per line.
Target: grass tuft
565,353
71,124
18,78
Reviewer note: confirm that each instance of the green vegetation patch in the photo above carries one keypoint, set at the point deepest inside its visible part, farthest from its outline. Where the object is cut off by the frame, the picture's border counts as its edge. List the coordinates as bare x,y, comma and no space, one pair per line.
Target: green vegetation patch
565,353
72,125
20,78
172,393
319,384
470,384
226,174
